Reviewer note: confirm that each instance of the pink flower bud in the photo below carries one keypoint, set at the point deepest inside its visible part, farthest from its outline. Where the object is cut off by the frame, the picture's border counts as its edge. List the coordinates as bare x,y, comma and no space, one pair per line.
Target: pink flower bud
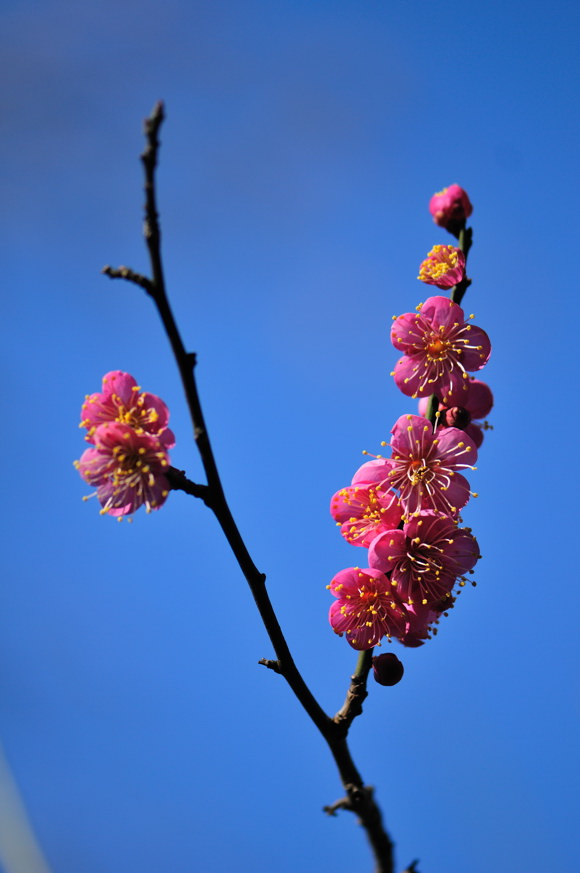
450,208
387,669
476,402
457,416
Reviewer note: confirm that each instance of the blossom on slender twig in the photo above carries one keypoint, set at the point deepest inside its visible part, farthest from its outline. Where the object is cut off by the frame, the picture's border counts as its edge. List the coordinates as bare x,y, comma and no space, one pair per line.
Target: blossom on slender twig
424,467
122,400
366,608
450,208
444,267
439,346
477,402
425,558
364,511
127,468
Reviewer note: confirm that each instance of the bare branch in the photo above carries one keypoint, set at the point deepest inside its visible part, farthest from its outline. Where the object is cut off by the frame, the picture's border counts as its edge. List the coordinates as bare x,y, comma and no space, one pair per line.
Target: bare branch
360,798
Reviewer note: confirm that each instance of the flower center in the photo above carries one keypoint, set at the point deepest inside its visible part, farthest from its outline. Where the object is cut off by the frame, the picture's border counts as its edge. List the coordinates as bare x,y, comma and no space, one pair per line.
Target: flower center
437,348
368,597
136,415
130,465
417,471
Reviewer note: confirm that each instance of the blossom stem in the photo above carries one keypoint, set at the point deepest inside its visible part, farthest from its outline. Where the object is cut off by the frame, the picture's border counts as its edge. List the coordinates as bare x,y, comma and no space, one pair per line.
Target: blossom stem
359,797
364,664
357,692
465,239
431,411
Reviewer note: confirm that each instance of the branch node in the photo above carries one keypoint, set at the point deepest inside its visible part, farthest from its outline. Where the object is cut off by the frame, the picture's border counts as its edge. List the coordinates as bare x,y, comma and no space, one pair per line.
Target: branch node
271,665
178,481
130,276
358,797
353,705
332,809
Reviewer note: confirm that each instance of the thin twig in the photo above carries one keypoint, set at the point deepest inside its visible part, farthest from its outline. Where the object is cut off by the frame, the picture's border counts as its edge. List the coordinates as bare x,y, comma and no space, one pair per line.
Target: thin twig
130,275
271,665
359,798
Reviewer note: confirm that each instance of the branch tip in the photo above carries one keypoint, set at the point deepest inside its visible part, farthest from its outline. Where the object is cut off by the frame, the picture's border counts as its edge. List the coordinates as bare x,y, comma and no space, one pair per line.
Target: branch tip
154,121
271,665
332,809
129,275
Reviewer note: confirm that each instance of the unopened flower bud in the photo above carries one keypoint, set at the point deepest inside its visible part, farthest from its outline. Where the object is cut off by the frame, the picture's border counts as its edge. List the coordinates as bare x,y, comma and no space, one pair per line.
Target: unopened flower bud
387,669
450,208
457,416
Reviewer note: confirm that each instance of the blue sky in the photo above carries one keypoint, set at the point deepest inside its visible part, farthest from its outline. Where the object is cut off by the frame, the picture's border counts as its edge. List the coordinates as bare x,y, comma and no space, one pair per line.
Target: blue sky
302,144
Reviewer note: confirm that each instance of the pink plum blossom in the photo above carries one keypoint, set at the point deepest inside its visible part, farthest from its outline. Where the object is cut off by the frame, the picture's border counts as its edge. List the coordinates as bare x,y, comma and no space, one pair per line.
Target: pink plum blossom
476,403
439,346
450,208
122,400
424,467
425,558
364,511
421,623
479,400
128,469
366,608
444,267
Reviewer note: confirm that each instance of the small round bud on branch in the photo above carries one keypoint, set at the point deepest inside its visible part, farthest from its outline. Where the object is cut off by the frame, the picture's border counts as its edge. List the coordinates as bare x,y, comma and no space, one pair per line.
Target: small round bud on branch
387,669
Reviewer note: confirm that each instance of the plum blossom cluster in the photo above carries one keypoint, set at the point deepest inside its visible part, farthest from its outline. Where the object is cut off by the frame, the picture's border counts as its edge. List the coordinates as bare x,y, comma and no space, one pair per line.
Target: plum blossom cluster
130,438
404,508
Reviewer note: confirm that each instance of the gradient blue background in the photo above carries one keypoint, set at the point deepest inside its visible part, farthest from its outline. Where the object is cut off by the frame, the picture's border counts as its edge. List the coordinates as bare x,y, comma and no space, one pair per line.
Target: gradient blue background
302,144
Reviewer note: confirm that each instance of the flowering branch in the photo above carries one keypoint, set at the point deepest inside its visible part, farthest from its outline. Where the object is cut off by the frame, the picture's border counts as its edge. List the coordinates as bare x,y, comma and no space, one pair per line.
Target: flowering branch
359,798
403,510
